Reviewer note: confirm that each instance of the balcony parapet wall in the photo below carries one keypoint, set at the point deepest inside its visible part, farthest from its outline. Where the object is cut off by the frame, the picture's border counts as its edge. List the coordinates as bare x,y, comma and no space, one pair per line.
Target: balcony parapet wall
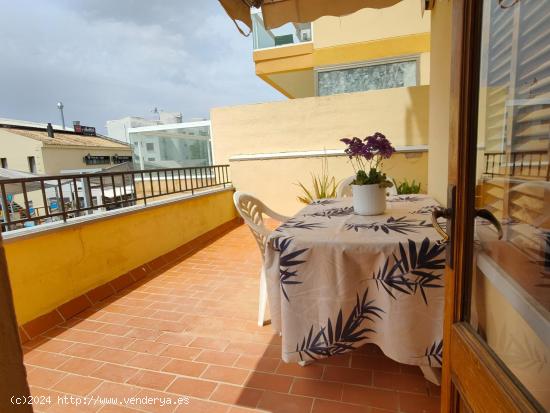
59,271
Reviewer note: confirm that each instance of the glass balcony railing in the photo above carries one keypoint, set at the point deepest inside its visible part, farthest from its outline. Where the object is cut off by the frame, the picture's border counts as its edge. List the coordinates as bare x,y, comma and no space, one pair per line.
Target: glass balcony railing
286,35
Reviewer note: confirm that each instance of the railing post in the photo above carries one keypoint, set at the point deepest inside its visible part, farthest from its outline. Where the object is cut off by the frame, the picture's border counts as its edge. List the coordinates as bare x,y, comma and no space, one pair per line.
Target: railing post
63,211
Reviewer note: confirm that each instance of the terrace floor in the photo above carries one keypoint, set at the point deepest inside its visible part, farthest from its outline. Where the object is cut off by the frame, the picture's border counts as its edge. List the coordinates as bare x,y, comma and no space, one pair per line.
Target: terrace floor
191,330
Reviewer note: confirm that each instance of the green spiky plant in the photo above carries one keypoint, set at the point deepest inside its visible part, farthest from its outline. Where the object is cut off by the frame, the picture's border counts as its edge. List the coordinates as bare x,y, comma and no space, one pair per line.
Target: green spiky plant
406,188
323,185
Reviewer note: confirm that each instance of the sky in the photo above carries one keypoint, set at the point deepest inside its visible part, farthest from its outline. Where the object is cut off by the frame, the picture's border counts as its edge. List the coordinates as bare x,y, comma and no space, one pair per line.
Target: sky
106,59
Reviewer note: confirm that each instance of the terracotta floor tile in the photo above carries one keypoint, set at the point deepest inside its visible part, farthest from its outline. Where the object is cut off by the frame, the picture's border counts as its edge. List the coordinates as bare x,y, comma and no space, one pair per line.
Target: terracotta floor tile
185,368
402,382
151,379
328,406
147,346
202,406
209,343
341,360
114,329
160,405
226,374
83,324
80,366
115,341
113,318
167,315
284,403
368,396
312,371
180,352
416,403
77,385
112,390
148,361
317,388
240,396
347,375
262,364
55,346
143,334
110,408
115,356
192,387
83,350
381,363
46,378
79,336
249,349
217,357
114,372
269,382
43,359
238,409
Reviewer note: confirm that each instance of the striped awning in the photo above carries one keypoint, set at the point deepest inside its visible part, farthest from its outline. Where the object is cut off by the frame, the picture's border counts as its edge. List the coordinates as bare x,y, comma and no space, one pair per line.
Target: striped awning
278,12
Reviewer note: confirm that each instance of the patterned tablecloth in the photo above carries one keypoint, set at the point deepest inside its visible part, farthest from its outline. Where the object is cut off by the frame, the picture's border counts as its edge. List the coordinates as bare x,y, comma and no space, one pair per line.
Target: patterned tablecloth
337,280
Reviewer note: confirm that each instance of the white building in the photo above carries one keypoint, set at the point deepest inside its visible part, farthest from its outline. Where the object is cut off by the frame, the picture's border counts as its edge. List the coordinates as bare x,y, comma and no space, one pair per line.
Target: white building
119,128
174,145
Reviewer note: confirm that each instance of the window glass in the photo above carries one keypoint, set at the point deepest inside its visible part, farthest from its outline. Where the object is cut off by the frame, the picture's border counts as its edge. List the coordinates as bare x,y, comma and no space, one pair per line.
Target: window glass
368,77
510,291
181,146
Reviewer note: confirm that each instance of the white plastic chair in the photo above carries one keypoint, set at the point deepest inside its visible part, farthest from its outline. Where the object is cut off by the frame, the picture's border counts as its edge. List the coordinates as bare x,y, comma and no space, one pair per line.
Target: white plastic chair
344,189
251,209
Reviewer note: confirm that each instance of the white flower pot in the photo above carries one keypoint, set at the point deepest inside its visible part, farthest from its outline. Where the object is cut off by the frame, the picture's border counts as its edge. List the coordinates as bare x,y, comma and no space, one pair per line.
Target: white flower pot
368,199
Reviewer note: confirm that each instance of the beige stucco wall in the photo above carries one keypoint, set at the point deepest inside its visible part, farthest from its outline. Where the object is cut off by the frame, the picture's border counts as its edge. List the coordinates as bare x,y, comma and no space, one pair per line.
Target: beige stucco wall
16,149
274,181
317,123
440,88
57,159
402,19
49,159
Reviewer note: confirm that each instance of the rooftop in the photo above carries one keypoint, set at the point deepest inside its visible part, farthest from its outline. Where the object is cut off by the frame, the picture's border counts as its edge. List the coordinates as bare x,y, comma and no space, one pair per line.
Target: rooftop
63,137
190,329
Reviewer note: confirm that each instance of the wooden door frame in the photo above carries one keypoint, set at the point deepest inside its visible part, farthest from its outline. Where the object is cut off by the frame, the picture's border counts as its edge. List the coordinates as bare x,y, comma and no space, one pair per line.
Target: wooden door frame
477,372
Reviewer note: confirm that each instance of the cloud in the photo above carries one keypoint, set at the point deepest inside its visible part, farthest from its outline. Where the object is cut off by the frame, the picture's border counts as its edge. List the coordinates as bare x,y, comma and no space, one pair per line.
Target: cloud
109,59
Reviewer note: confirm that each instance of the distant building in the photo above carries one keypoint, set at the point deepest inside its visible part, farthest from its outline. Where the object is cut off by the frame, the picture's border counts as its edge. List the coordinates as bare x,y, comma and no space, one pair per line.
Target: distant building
118,128
172,146
50,151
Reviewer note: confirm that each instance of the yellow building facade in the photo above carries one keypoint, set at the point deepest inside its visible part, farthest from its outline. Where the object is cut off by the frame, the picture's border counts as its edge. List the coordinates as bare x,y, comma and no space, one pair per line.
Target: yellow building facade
344,76
367,38
30,149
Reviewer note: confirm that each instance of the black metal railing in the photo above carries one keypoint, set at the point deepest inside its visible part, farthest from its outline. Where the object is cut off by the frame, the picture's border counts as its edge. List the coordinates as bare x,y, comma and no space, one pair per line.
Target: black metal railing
526,164
26,202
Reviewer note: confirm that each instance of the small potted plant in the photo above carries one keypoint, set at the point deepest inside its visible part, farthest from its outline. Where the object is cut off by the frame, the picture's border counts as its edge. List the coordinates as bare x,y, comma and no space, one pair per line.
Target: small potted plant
369,186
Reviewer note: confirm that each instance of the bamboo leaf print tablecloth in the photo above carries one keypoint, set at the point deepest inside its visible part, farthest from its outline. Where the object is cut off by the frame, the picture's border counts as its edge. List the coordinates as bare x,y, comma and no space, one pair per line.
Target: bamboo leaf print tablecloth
337,280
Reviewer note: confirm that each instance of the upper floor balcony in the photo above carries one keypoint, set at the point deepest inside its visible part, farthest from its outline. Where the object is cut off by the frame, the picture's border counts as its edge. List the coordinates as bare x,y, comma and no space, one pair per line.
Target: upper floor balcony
286,35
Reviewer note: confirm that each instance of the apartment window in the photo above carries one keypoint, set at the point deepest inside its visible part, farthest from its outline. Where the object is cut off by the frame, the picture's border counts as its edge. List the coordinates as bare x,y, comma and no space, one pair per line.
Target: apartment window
151,159
150,146
4,162
32,164
367,76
